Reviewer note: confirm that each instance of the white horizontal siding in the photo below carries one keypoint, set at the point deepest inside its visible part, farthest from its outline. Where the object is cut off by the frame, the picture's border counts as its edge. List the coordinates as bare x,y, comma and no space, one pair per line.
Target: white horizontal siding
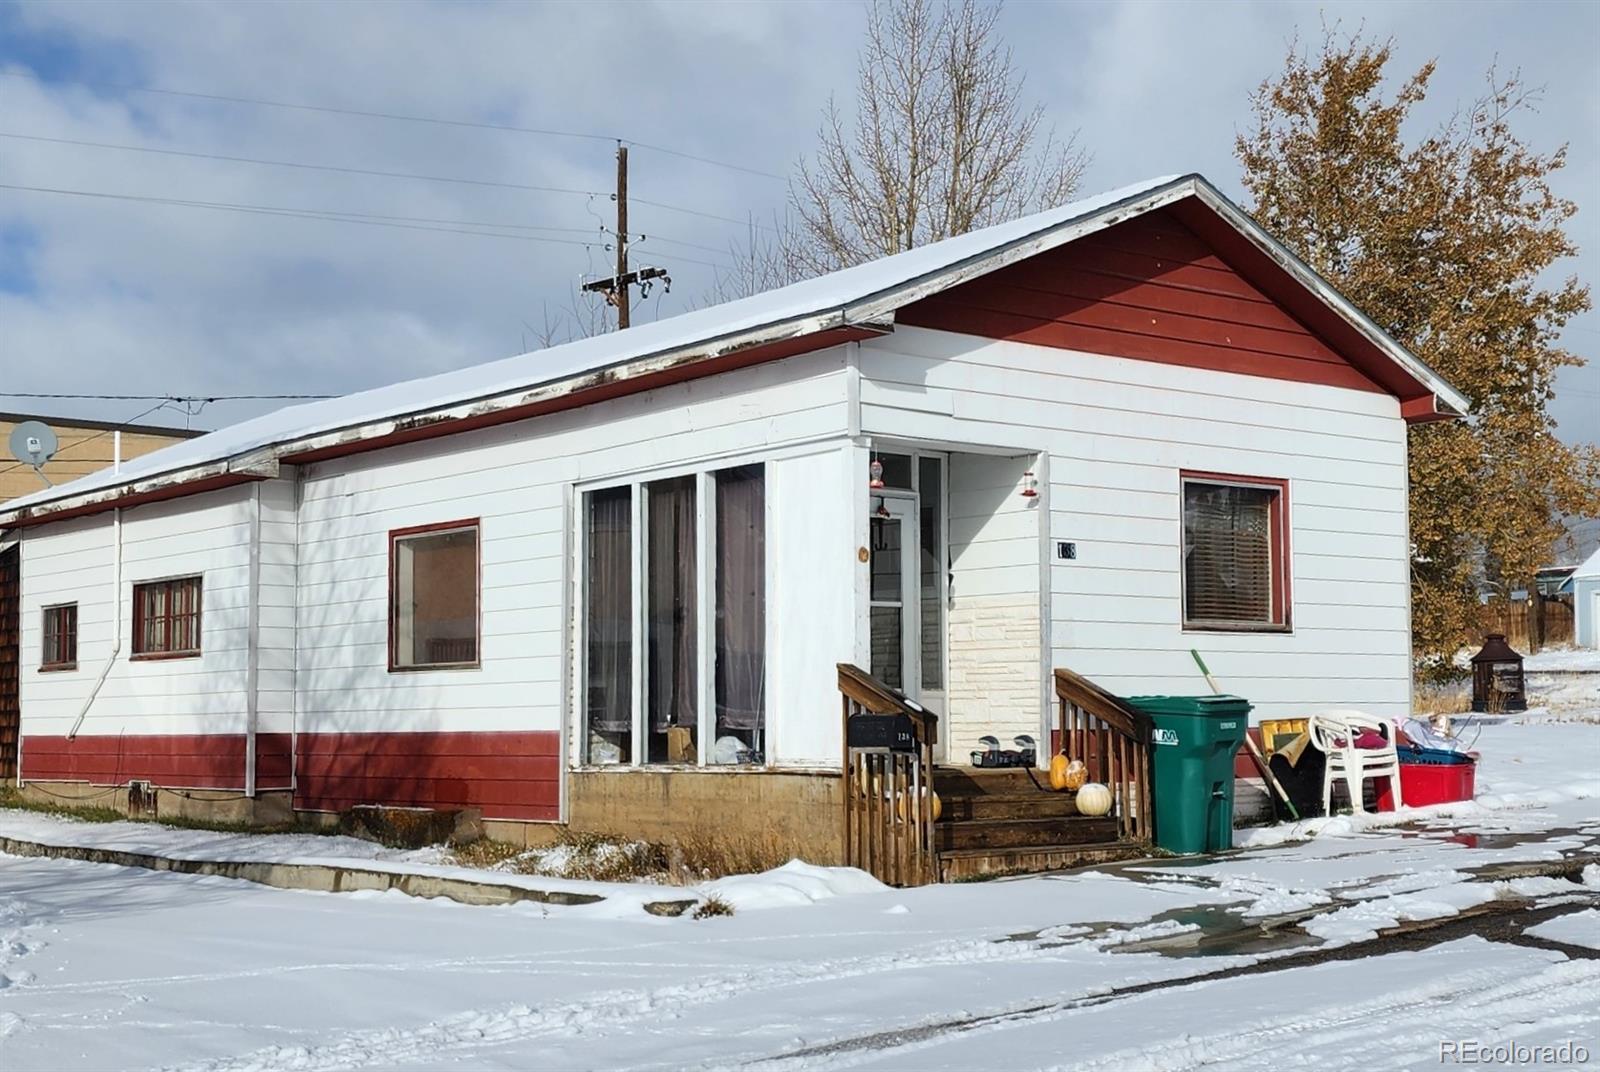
72,561
278,573
1117,432
512,479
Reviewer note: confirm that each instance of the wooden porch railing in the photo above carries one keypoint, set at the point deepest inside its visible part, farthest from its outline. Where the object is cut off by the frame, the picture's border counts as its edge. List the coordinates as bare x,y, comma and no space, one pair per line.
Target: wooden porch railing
1114,742
888,792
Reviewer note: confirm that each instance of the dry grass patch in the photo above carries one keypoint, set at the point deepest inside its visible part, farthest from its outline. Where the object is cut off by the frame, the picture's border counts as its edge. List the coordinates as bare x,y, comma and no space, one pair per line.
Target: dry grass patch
484,854
704,855
594,857
11,797
712,906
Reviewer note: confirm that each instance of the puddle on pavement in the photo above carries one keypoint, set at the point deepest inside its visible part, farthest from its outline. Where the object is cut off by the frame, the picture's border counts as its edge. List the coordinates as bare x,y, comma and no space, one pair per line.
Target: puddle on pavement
1223,932
1208,931
1498,839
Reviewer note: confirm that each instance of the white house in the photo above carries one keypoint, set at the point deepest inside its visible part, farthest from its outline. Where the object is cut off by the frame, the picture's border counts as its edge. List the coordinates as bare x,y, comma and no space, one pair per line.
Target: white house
1586,602
608,583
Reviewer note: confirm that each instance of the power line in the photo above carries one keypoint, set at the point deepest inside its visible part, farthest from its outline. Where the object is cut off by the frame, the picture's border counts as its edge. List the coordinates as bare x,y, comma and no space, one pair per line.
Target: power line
326,215
371,172
405,118
411,223
705,215
297,164
705,160
159,398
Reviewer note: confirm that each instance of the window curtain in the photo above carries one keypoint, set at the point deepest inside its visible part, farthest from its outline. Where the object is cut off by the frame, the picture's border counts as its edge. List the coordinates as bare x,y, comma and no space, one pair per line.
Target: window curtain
609,611
741,603
670,587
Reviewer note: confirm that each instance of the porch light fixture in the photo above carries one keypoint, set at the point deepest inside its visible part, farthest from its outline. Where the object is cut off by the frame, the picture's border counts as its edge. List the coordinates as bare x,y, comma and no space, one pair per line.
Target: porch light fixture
1030,485
1497,681
875,473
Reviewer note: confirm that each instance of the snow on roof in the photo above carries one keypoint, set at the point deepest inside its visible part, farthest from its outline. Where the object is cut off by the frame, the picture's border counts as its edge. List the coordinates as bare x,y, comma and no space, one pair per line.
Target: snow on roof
888,280
557,363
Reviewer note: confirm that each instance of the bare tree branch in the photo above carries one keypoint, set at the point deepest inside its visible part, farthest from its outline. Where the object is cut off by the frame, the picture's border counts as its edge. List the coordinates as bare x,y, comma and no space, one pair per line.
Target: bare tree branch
940,143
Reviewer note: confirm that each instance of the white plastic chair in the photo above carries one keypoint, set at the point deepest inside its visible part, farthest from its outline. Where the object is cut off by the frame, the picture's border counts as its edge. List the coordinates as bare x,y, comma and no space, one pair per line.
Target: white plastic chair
1334,735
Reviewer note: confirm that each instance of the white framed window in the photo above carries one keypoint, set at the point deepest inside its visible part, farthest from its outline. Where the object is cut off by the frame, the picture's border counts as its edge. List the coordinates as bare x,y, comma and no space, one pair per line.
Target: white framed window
673,620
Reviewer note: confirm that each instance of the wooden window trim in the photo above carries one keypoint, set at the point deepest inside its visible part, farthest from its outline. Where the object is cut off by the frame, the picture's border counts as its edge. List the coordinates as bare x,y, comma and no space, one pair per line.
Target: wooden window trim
395,536
136,632
46,666
1282,573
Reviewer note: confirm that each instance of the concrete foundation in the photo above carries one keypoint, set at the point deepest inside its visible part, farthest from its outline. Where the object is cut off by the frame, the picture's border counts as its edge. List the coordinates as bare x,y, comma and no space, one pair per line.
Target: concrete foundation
787,813
203,805
750,814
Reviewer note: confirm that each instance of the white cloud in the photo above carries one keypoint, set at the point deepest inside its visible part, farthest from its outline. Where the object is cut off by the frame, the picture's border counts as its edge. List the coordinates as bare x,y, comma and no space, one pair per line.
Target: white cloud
135,297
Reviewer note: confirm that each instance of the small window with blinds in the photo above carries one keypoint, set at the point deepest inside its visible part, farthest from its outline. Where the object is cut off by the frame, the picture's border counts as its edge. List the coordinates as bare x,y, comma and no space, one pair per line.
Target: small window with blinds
1235,552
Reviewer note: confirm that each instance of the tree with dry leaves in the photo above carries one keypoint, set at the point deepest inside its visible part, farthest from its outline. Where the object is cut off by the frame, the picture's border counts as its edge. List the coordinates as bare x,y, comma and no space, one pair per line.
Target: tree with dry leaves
939,142
1448,242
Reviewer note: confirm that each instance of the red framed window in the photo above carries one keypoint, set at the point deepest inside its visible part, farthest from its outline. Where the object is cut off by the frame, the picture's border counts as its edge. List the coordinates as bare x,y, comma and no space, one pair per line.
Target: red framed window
1235,552
60,631
434,605
166,618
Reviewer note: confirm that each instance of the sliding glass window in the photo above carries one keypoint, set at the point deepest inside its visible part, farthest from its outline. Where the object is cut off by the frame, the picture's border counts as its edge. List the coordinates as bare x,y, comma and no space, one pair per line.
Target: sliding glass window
672,681
741,651
608,630
688,592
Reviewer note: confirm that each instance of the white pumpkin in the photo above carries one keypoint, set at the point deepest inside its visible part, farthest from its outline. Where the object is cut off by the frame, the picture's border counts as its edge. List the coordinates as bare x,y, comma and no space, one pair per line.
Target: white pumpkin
1094,799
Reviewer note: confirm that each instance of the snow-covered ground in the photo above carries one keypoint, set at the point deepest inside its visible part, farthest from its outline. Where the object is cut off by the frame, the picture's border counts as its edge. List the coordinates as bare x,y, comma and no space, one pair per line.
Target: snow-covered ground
107,967
1570,660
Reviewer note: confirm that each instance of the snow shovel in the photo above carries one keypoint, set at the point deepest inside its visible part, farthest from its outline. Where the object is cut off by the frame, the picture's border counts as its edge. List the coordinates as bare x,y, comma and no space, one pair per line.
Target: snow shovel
1255,750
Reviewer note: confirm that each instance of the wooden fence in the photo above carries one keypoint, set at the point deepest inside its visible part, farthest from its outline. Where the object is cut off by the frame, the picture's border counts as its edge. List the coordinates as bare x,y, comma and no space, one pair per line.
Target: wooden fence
1531,624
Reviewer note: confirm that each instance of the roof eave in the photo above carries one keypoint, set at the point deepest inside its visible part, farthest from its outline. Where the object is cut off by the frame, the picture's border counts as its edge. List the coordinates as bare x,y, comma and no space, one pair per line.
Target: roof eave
256,464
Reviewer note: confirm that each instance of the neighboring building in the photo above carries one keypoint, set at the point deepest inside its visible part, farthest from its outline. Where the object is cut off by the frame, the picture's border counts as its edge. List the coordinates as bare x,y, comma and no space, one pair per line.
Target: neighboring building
85,447
1585,588
608,584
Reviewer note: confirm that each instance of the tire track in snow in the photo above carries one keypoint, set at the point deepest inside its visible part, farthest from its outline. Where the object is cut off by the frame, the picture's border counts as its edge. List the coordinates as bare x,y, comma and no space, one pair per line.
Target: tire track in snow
605,1011
1456,1005
929,1033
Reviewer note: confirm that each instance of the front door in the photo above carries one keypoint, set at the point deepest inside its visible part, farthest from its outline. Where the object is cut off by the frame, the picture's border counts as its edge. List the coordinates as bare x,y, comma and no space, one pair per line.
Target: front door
895,590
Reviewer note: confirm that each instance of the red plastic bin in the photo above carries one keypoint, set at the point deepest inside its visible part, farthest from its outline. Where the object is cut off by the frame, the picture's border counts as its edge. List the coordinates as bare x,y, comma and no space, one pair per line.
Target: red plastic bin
1431,782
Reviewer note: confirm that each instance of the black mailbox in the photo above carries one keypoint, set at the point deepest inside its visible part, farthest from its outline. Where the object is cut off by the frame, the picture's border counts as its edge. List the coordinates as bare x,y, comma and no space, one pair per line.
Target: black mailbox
897,733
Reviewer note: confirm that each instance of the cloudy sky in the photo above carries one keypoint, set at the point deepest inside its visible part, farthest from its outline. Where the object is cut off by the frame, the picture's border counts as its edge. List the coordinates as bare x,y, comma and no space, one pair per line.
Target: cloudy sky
138,295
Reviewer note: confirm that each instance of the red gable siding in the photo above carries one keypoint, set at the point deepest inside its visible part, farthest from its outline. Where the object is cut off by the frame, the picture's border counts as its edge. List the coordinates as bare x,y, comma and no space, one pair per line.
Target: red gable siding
1148,288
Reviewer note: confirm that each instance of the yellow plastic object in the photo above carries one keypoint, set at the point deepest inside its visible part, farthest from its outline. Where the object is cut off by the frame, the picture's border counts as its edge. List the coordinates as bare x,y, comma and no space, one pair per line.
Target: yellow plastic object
1277,732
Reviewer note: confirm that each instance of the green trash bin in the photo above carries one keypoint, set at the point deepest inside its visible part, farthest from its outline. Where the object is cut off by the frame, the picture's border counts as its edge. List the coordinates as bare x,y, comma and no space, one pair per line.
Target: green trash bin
1195,739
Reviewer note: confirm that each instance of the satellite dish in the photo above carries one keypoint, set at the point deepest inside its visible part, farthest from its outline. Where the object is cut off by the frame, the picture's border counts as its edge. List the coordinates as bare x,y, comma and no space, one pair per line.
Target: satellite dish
33,443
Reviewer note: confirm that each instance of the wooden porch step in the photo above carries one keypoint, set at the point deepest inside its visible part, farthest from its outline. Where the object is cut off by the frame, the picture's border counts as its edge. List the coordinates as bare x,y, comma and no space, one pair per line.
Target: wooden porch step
985,781
1019,833
961,865
1030,805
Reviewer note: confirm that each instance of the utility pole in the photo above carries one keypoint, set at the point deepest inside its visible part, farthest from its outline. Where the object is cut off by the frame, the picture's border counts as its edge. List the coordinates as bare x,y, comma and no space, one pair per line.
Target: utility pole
616,288
622,236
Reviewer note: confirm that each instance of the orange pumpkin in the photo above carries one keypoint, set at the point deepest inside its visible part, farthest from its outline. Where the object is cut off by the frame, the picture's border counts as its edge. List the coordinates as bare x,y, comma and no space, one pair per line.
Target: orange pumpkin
1058,771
